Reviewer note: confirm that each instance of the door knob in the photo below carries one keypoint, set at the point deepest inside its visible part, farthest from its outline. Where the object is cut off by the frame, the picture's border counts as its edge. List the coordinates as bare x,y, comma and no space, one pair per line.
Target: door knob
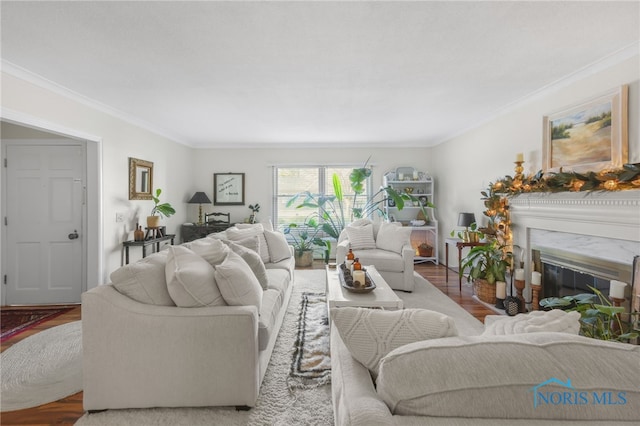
73,235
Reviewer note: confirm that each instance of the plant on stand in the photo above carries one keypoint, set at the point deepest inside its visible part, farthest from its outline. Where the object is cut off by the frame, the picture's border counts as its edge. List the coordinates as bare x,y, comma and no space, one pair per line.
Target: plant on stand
306,239
159,210
255,208
487,264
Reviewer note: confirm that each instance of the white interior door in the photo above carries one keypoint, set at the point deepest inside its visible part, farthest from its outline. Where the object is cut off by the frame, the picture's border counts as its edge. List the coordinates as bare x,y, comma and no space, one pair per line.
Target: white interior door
44,226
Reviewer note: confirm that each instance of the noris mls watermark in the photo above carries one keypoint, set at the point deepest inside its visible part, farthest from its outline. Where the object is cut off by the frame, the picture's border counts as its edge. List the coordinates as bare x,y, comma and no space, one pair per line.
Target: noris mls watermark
543,397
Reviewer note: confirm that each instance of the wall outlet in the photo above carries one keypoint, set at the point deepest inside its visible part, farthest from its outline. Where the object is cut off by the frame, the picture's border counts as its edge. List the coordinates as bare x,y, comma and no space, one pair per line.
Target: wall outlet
119,217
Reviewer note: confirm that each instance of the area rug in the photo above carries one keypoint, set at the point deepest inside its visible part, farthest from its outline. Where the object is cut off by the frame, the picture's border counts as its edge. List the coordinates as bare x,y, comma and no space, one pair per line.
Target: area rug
311,364
278,404
16,321
42,368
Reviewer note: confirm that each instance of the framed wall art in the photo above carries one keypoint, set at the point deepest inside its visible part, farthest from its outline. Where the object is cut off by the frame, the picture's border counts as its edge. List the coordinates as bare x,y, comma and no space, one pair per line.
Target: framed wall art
228,189
635,293
589,136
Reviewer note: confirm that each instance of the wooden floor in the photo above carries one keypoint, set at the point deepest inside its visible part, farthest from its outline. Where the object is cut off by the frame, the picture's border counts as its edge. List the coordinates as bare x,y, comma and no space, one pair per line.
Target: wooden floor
67,411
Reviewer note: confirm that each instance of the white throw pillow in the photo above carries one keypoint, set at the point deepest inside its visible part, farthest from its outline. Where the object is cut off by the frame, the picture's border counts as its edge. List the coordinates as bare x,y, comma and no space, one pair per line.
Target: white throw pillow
237,283
252,258
535,322
144,280
190,279
245,230
278,246
502,377
210,249
393,236
370,334
361,237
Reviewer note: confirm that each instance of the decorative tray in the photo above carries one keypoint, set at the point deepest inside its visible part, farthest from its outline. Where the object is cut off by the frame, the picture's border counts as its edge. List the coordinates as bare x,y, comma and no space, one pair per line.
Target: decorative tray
346,280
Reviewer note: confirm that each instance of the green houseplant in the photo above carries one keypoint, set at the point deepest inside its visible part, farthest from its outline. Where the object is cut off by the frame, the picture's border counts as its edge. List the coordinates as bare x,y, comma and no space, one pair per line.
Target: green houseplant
159,210
306,240
255,208
470,235
599,319
487,264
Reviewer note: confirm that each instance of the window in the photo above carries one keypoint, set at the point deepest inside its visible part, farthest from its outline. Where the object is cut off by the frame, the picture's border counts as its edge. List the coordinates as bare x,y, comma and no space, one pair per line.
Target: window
318,180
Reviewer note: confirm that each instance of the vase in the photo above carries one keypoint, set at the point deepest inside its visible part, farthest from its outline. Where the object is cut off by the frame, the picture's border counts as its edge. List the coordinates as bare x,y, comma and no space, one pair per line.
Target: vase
138,234
485,291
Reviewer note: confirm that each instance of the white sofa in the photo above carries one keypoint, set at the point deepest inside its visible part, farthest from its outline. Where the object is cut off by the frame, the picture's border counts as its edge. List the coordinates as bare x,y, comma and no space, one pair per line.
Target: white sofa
396,267
484,380
147,353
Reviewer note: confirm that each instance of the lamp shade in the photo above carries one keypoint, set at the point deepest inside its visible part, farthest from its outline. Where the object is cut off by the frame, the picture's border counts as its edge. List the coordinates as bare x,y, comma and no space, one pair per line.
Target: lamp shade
200,198
466,219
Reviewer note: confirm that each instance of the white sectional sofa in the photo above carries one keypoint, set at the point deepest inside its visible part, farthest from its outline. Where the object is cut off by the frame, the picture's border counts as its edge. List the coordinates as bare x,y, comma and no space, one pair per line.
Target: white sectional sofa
141,350
471,377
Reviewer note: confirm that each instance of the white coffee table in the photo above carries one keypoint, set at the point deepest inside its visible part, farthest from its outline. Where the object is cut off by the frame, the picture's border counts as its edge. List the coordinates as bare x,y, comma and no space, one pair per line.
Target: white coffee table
381,297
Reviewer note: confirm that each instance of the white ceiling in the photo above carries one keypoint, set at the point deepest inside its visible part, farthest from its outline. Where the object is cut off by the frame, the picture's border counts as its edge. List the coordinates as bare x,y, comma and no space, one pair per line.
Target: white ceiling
246,74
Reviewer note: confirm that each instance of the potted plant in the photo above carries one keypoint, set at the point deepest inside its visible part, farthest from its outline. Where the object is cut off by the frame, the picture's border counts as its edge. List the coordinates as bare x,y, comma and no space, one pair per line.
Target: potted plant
305,240
159,210
255,208
470,235
487,264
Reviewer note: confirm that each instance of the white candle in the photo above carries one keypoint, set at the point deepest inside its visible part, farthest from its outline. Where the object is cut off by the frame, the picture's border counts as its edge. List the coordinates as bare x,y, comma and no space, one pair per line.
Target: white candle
501,289
520,274
415,175
617,289
519,156
358,276
400,176
536,278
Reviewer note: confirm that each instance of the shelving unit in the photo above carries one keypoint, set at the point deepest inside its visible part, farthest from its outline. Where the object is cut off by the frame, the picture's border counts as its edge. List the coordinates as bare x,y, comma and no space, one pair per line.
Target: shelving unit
419,184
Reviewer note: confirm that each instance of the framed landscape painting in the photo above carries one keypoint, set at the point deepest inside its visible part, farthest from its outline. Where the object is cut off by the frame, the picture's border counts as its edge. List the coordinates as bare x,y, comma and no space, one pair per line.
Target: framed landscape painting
590,136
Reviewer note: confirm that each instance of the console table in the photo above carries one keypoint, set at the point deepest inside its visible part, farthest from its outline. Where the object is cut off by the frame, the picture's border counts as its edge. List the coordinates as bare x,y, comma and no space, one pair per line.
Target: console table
460,245
193,232
144,244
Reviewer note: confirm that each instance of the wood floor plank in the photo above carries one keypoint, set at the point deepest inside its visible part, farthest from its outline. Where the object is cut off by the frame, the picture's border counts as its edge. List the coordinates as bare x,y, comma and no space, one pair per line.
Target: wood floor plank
68,410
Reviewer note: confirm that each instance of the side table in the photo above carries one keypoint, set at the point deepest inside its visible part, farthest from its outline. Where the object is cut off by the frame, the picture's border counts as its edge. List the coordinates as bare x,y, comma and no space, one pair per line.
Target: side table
144,244
459,245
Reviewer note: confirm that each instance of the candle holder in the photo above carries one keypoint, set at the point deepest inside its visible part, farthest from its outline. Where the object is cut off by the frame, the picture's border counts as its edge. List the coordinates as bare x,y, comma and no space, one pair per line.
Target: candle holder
520,284
615,323
499,303
535,296
518,169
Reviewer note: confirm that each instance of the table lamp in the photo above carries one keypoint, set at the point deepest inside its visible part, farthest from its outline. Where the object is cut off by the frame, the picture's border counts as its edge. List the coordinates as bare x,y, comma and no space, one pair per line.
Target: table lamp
466,219
200,198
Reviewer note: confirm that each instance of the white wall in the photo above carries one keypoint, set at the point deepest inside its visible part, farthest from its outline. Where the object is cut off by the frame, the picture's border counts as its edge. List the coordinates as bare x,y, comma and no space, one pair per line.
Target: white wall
257,166
466,164
119,141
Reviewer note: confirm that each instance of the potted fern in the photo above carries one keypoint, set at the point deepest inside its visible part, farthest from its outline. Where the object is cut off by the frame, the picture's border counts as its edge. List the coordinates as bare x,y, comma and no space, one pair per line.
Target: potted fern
159,210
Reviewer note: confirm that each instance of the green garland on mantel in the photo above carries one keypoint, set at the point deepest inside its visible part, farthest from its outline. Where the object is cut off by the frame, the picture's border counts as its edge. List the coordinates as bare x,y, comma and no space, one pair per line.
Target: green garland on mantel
496,196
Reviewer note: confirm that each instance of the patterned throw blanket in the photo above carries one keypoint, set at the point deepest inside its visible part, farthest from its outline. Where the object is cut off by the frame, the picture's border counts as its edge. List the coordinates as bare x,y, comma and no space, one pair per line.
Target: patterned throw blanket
311,364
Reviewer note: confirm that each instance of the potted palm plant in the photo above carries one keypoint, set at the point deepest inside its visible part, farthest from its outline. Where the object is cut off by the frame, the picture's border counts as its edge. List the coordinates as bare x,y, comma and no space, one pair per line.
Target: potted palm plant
487,264
306,240
159,210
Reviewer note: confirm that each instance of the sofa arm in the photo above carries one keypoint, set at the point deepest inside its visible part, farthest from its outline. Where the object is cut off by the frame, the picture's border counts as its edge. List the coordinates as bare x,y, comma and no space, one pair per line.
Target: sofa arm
341,250
408,254
137,355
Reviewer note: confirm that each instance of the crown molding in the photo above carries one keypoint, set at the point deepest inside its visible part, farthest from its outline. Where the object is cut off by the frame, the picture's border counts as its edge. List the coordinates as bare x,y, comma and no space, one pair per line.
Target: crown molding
37,80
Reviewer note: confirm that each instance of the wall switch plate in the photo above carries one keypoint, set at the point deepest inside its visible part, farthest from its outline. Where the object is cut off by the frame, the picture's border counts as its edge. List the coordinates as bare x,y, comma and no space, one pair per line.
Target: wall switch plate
119,217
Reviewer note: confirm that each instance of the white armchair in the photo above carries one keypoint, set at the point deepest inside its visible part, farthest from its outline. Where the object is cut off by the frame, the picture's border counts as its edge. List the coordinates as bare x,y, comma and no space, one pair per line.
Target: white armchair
392,254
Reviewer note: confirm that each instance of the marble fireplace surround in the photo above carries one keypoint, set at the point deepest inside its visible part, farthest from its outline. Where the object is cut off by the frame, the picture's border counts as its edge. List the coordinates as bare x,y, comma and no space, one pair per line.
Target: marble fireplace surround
604,226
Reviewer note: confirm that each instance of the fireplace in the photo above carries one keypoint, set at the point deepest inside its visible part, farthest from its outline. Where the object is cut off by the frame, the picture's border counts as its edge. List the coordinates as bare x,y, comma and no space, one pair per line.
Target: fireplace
578,234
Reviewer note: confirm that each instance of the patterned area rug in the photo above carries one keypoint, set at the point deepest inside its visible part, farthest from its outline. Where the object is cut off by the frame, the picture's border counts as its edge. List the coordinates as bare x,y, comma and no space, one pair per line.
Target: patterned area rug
311,364
15,321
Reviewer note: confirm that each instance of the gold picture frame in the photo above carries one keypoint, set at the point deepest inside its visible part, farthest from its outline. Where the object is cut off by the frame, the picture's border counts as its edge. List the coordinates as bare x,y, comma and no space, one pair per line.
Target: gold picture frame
140,179
589,136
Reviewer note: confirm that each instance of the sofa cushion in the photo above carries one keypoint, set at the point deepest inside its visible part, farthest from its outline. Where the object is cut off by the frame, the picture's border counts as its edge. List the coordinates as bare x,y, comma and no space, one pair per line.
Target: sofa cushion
251,257
370,334
393,236
278,279
237,283
526,376
534,322
271,304
361,237
278,246
144,280
210,249
190,279
383,260
244,230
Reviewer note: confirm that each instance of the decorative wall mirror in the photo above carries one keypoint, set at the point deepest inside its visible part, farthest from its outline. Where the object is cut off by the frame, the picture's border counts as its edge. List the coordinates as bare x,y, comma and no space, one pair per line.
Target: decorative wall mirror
140,179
